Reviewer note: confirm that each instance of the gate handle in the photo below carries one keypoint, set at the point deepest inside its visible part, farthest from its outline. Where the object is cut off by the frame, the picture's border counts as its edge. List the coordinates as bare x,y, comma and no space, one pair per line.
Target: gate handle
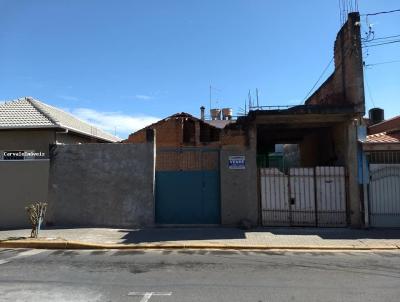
292,200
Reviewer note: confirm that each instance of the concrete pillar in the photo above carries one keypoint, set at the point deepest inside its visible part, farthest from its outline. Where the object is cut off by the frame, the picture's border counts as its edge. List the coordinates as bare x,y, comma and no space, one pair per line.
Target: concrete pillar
365,181
239,197
151,139
354,198
197,133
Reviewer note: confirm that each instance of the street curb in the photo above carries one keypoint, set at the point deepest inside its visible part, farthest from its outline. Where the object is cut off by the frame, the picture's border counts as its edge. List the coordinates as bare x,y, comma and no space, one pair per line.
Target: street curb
77,245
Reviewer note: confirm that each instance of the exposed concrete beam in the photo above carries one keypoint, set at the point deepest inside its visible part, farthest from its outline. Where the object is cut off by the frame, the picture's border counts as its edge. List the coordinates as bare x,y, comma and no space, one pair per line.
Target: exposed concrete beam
298,125
302,119
381,146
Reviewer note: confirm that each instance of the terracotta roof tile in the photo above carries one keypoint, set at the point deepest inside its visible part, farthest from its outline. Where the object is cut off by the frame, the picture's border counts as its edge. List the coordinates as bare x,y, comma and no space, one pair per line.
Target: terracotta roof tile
384,137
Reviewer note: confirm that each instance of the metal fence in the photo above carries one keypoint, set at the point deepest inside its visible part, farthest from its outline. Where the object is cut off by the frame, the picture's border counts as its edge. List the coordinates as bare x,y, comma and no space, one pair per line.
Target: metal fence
303,197
271,160
384,188
330,196
384,195
384,157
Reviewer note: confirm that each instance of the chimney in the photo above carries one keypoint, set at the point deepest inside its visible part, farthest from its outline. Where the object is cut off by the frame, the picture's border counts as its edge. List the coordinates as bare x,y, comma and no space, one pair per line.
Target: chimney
202,108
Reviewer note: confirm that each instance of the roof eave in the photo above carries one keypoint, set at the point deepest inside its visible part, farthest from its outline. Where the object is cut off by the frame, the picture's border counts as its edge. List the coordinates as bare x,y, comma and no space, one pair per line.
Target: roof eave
30,127
61,127
89,134
381,146
176,115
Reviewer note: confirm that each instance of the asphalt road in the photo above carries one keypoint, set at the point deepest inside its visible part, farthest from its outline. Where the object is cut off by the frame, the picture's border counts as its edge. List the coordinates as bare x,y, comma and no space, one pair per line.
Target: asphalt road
165,276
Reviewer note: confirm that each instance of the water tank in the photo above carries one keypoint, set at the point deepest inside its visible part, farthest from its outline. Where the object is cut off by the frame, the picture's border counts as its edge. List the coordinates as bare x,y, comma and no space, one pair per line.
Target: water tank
215,114
376,115
227,113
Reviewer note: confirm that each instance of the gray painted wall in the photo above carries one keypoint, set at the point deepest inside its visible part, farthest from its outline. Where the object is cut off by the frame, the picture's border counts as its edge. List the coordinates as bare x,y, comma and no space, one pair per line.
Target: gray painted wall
102,185
239,199
22,182
26,139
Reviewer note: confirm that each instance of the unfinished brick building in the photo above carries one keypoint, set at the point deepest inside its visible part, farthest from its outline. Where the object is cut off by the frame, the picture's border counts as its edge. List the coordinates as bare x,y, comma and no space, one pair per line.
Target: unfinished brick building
179,130
198,181
323,190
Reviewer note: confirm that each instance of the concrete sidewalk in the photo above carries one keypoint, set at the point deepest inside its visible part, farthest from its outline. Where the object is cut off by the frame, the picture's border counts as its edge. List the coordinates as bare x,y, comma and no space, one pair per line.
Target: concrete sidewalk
219,237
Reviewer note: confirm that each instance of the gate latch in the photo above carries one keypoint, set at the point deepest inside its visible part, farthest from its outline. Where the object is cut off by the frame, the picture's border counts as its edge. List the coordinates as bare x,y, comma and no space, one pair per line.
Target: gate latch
292,200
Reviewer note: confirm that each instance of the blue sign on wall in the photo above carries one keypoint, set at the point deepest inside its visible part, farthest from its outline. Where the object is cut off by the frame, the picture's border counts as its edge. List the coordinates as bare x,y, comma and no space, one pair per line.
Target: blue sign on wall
237,162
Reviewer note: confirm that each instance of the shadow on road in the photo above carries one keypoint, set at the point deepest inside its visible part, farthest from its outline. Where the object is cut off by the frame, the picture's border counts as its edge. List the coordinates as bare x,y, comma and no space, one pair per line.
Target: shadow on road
183,234
337,233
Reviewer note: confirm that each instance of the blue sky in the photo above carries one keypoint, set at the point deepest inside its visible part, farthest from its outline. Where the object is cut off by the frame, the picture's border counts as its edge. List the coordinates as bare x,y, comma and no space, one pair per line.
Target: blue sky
124,64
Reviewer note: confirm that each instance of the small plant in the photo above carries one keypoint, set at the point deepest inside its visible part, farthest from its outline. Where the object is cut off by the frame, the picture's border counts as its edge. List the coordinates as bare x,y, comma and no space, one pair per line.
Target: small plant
36,212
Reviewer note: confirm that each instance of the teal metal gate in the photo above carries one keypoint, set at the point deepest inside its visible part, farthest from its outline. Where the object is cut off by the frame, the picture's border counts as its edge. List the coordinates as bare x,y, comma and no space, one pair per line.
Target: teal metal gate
187,186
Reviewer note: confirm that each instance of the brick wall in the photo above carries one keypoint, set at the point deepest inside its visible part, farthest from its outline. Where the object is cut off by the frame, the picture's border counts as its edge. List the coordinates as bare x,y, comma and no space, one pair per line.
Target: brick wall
386,126
180,132
168,134
346,85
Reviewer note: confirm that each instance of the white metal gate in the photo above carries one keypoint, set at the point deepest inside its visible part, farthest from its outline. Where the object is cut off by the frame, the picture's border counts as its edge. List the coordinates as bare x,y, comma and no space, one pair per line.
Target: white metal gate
384,195
304,197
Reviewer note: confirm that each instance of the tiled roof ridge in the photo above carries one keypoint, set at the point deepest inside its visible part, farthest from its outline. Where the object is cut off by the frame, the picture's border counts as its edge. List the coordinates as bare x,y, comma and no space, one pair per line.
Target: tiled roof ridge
94,131
28,112
19,109
42,111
